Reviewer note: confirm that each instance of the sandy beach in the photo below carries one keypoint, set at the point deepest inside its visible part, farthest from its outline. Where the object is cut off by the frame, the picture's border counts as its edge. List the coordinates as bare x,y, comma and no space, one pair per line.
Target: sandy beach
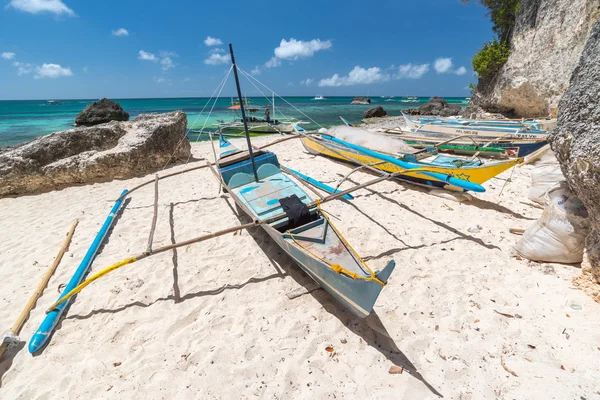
461,316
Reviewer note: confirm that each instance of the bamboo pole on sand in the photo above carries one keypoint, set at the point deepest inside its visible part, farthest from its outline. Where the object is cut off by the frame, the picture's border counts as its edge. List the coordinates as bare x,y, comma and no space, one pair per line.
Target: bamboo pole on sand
154,217
16,328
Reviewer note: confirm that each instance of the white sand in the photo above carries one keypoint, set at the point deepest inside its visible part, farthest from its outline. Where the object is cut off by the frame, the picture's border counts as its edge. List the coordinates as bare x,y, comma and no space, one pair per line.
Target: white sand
213,321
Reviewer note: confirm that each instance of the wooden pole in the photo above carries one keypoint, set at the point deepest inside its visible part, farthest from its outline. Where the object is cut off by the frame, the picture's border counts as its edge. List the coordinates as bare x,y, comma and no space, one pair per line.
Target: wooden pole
153,226
141,185
533,157
242,109
16,328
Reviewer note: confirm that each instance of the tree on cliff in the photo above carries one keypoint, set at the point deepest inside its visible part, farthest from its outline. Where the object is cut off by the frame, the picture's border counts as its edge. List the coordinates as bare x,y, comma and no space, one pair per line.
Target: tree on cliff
503,13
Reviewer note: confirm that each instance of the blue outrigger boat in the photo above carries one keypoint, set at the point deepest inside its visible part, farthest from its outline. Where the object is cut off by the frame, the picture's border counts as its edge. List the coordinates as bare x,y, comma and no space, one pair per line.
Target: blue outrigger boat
260,187
304,232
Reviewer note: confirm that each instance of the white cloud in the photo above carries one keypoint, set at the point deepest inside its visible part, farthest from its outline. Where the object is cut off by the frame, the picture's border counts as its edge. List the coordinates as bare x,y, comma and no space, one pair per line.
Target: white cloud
8,55
52,71
444,65
168,54
306,82
255,71
166,63
159,80
39,6
23,68
461,71
186,79
85,69
211,41
295,49
217,56
358,76
120,32
412,71
147,56
273,62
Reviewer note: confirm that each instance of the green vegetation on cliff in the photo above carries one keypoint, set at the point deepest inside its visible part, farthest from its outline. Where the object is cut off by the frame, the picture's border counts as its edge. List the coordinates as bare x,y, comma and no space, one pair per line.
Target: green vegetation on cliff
503,13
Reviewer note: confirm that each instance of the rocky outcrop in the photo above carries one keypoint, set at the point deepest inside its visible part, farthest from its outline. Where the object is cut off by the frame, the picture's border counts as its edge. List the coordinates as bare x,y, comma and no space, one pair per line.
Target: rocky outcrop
546,44
576,140
101,112
115,150
435,106
375,112
361,100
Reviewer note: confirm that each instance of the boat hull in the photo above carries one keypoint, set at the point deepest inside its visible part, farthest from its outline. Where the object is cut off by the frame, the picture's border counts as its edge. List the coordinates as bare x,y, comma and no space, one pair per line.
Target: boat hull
491,132
258,128
315,245
478,174
510,148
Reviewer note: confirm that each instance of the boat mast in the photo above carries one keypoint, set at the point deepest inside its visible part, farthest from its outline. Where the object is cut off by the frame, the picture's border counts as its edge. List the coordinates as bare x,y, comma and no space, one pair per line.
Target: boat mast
239,91
273,101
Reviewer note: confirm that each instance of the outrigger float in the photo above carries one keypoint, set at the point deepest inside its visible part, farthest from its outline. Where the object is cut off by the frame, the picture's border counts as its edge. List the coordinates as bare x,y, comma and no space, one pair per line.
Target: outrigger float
262,188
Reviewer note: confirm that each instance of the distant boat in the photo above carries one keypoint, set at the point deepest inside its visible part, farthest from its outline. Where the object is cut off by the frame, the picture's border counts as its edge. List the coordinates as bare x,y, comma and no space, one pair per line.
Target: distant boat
54,102
319,97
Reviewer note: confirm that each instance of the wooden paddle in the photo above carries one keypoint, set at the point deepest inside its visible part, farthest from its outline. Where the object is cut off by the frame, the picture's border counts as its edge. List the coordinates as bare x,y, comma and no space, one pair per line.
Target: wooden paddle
16,328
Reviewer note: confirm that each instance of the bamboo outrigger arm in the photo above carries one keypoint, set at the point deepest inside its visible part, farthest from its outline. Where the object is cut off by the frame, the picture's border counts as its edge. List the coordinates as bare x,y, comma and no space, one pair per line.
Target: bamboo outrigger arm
204,166
255,223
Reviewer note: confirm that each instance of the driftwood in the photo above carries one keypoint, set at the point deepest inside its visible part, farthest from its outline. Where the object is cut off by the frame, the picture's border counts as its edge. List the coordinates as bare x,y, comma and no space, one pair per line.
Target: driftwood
16,328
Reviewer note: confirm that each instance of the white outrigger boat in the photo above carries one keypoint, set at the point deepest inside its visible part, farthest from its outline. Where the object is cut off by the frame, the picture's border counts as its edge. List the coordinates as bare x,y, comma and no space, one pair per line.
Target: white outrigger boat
508,132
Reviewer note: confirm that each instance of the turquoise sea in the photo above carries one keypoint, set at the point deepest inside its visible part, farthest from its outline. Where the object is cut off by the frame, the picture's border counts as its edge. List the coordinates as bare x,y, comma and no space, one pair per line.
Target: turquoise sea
21,121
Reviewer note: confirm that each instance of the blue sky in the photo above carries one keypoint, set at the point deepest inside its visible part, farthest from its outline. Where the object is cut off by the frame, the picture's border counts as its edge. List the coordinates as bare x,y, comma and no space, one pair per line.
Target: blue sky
127,49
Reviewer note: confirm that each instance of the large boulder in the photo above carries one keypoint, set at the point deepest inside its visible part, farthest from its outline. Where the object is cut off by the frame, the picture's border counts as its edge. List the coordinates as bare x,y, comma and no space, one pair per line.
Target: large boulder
115,150
375,112
576,139
361,100
435,106
101,112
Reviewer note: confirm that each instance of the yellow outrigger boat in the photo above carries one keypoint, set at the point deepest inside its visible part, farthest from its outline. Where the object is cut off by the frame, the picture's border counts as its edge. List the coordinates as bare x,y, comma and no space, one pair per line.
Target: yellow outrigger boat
473,170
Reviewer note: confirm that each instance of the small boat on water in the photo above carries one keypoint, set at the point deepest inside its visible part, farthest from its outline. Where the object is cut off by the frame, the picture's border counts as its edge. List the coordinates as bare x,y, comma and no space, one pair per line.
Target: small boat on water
466,171
413,126
262,126
319,97
54,102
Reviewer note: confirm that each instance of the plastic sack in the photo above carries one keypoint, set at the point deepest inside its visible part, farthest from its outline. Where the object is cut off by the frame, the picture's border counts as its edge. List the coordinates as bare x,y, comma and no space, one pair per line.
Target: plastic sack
543,178
559,235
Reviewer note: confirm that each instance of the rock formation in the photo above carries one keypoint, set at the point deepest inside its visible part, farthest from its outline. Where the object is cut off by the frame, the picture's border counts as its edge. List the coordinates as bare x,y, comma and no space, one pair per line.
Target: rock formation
115,150
375,112
101,112
546,43
435,106
361,100
576,140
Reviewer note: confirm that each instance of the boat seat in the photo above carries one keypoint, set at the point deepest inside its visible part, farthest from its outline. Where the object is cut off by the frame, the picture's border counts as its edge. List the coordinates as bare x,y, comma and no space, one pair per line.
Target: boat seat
238,156
239,172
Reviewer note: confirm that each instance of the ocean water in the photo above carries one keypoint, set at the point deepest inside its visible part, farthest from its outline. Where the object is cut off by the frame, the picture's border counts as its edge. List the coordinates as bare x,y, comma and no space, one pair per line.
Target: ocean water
21,121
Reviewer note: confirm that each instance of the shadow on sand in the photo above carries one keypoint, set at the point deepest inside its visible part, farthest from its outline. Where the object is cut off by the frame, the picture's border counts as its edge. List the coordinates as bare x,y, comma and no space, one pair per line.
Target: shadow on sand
371,329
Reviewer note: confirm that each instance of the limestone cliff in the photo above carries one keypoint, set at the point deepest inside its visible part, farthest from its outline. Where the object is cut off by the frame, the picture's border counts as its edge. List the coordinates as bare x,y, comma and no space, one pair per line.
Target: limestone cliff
576,141
546,44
